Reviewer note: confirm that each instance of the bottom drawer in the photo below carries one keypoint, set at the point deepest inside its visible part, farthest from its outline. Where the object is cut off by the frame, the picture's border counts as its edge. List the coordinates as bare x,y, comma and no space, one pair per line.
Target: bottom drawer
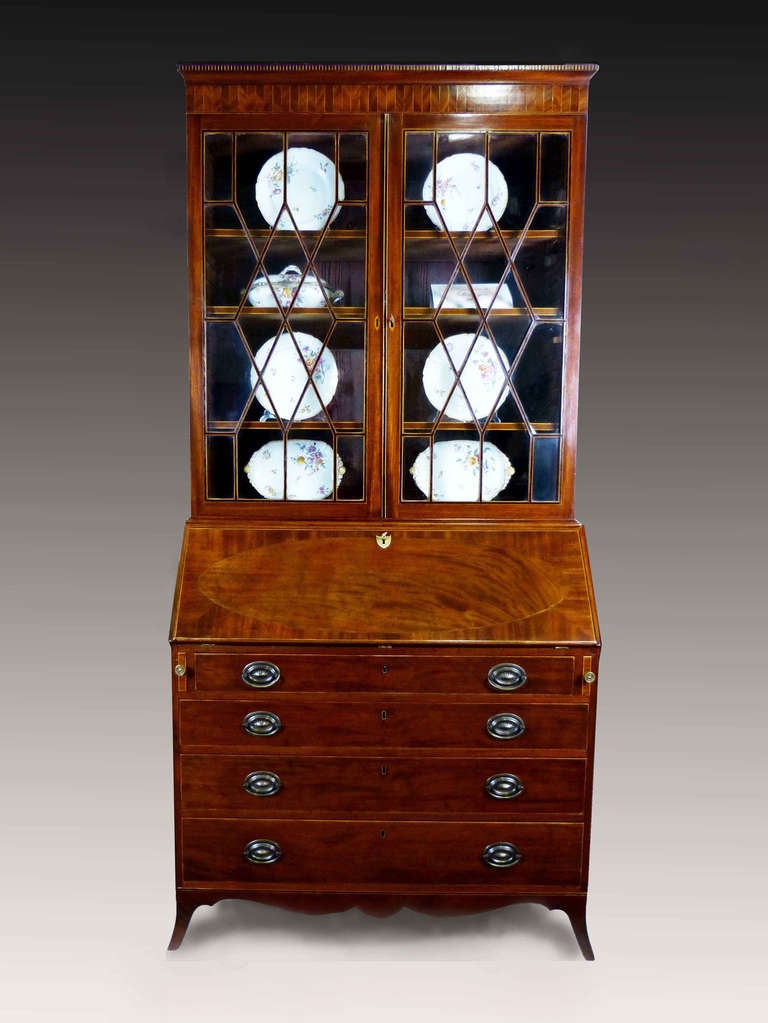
347,852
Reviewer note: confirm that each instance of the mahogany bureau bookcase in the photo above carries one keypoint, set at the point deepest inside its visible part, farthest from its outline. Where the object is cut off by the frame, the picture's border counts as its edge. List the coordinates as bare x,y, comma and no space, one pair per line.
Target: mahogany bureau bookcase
384,637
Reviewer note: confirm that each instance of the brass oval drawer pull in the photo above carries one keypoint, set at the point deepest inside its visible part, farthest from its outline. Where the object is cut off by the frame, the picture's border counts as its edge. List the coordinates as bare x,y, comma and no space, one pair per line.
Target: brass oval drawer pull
507,677
260,674
504,786
262,850
501,854
262,722
262,783
505,726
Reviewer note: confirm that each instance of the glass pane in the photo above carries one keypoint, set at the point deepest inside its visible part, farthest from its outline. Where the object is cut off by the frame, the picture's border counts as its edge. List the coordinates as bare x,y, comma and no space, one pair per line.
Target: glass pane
514,153
252,151
347,345
285,285
484,261
538,377
515,446
540,264
549,218
228,366
230,265
353,166
554,168
421,338
419,157
220,477
217,156
351,452
546,463
222,217
430,261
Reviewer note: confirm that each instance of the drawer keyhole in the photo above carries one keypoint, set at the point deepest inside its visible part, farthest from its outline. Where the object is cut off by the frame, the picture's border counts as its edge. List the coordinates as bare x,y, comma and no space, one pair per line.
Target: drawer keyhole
383,715
383,769
384,669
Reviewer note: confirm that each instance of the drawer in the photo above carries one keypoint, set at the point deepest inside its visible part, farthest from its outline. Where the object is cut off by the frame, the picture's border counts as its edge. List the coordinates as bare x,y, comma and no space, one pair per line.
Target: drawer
436,671
276,783
366,852
283,721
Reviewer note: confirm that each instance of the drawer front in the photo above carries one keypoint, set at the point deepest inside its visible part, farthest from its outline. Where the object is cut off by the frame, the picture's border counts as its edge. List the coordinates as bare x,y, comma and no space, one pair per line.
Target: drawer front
275,783
349,852
280,721
435,671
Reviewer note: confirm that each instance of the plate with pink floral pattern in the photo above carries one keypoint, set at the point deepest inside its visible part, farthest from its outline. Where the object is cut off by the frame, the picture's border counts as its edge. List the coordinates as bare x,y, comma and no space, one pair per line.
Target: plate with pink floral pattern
454,467
305,181
460,193
285,364
481,368
308,465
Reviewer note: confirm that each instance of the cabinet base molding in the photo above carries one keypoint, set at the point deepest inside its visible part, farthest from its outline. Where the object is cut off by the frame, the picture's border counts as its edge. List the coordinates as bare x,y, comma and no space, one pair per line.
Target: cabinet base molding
384,904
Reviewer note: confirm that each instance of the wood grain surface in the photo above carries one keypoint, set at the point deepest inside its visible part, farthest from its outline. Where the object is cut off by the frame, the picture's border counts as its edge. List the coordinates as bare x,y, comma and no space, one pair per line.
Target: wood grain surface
444,584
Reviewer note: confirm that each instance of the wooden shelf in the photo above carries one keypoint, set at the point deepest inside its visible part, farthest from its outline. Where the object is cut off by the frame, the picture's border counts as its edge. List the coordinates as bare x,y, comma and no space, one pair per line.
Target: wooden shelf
461,238
426,427
415,312
340,312
219,427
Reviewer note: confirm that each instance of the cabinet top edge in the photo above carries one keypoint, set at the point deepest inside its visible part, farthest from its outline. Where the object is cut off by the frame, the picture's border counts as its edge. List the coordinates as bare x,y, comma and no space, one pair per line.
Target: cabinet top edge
186,68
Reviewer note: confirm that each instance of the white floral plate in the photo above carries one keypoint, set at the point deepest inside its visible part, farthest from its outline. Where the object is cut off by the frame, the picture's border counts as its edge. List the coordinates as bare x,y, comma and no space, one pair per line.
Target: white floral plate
311,189
285,368
456,471
483,377
460,195
309,469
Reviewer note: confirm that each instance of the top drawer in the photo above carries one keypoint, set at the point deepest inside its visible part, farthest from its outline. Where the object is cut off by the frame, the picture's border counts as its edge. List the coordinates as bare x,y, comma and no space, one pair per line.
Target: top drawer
433,671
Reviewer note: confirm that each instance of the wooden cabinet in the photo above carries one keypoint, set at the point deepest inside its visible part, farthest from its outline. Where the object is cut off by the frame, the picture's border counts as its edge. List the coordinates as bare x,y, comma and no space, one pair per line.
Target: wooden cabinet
384,637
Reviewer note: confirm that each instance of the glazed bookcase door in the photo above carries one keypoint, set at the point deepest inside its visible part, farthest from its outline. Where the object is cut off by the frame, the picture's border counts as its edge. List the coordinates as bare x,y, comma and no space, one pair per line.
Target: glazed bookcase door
287,320
483,338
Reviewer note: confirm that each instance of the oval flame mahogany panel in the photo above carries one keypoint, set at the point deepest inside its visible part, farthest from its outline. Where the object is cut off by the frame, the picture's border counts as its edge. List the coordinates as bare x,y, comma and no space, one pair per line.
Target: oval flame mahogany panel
316,586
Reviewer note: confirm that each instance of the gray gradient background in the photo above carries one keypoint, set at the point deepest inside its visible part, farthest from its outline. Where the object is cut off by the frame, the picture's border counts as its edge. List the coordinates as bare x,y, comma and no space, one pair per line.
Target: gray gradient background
671,485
